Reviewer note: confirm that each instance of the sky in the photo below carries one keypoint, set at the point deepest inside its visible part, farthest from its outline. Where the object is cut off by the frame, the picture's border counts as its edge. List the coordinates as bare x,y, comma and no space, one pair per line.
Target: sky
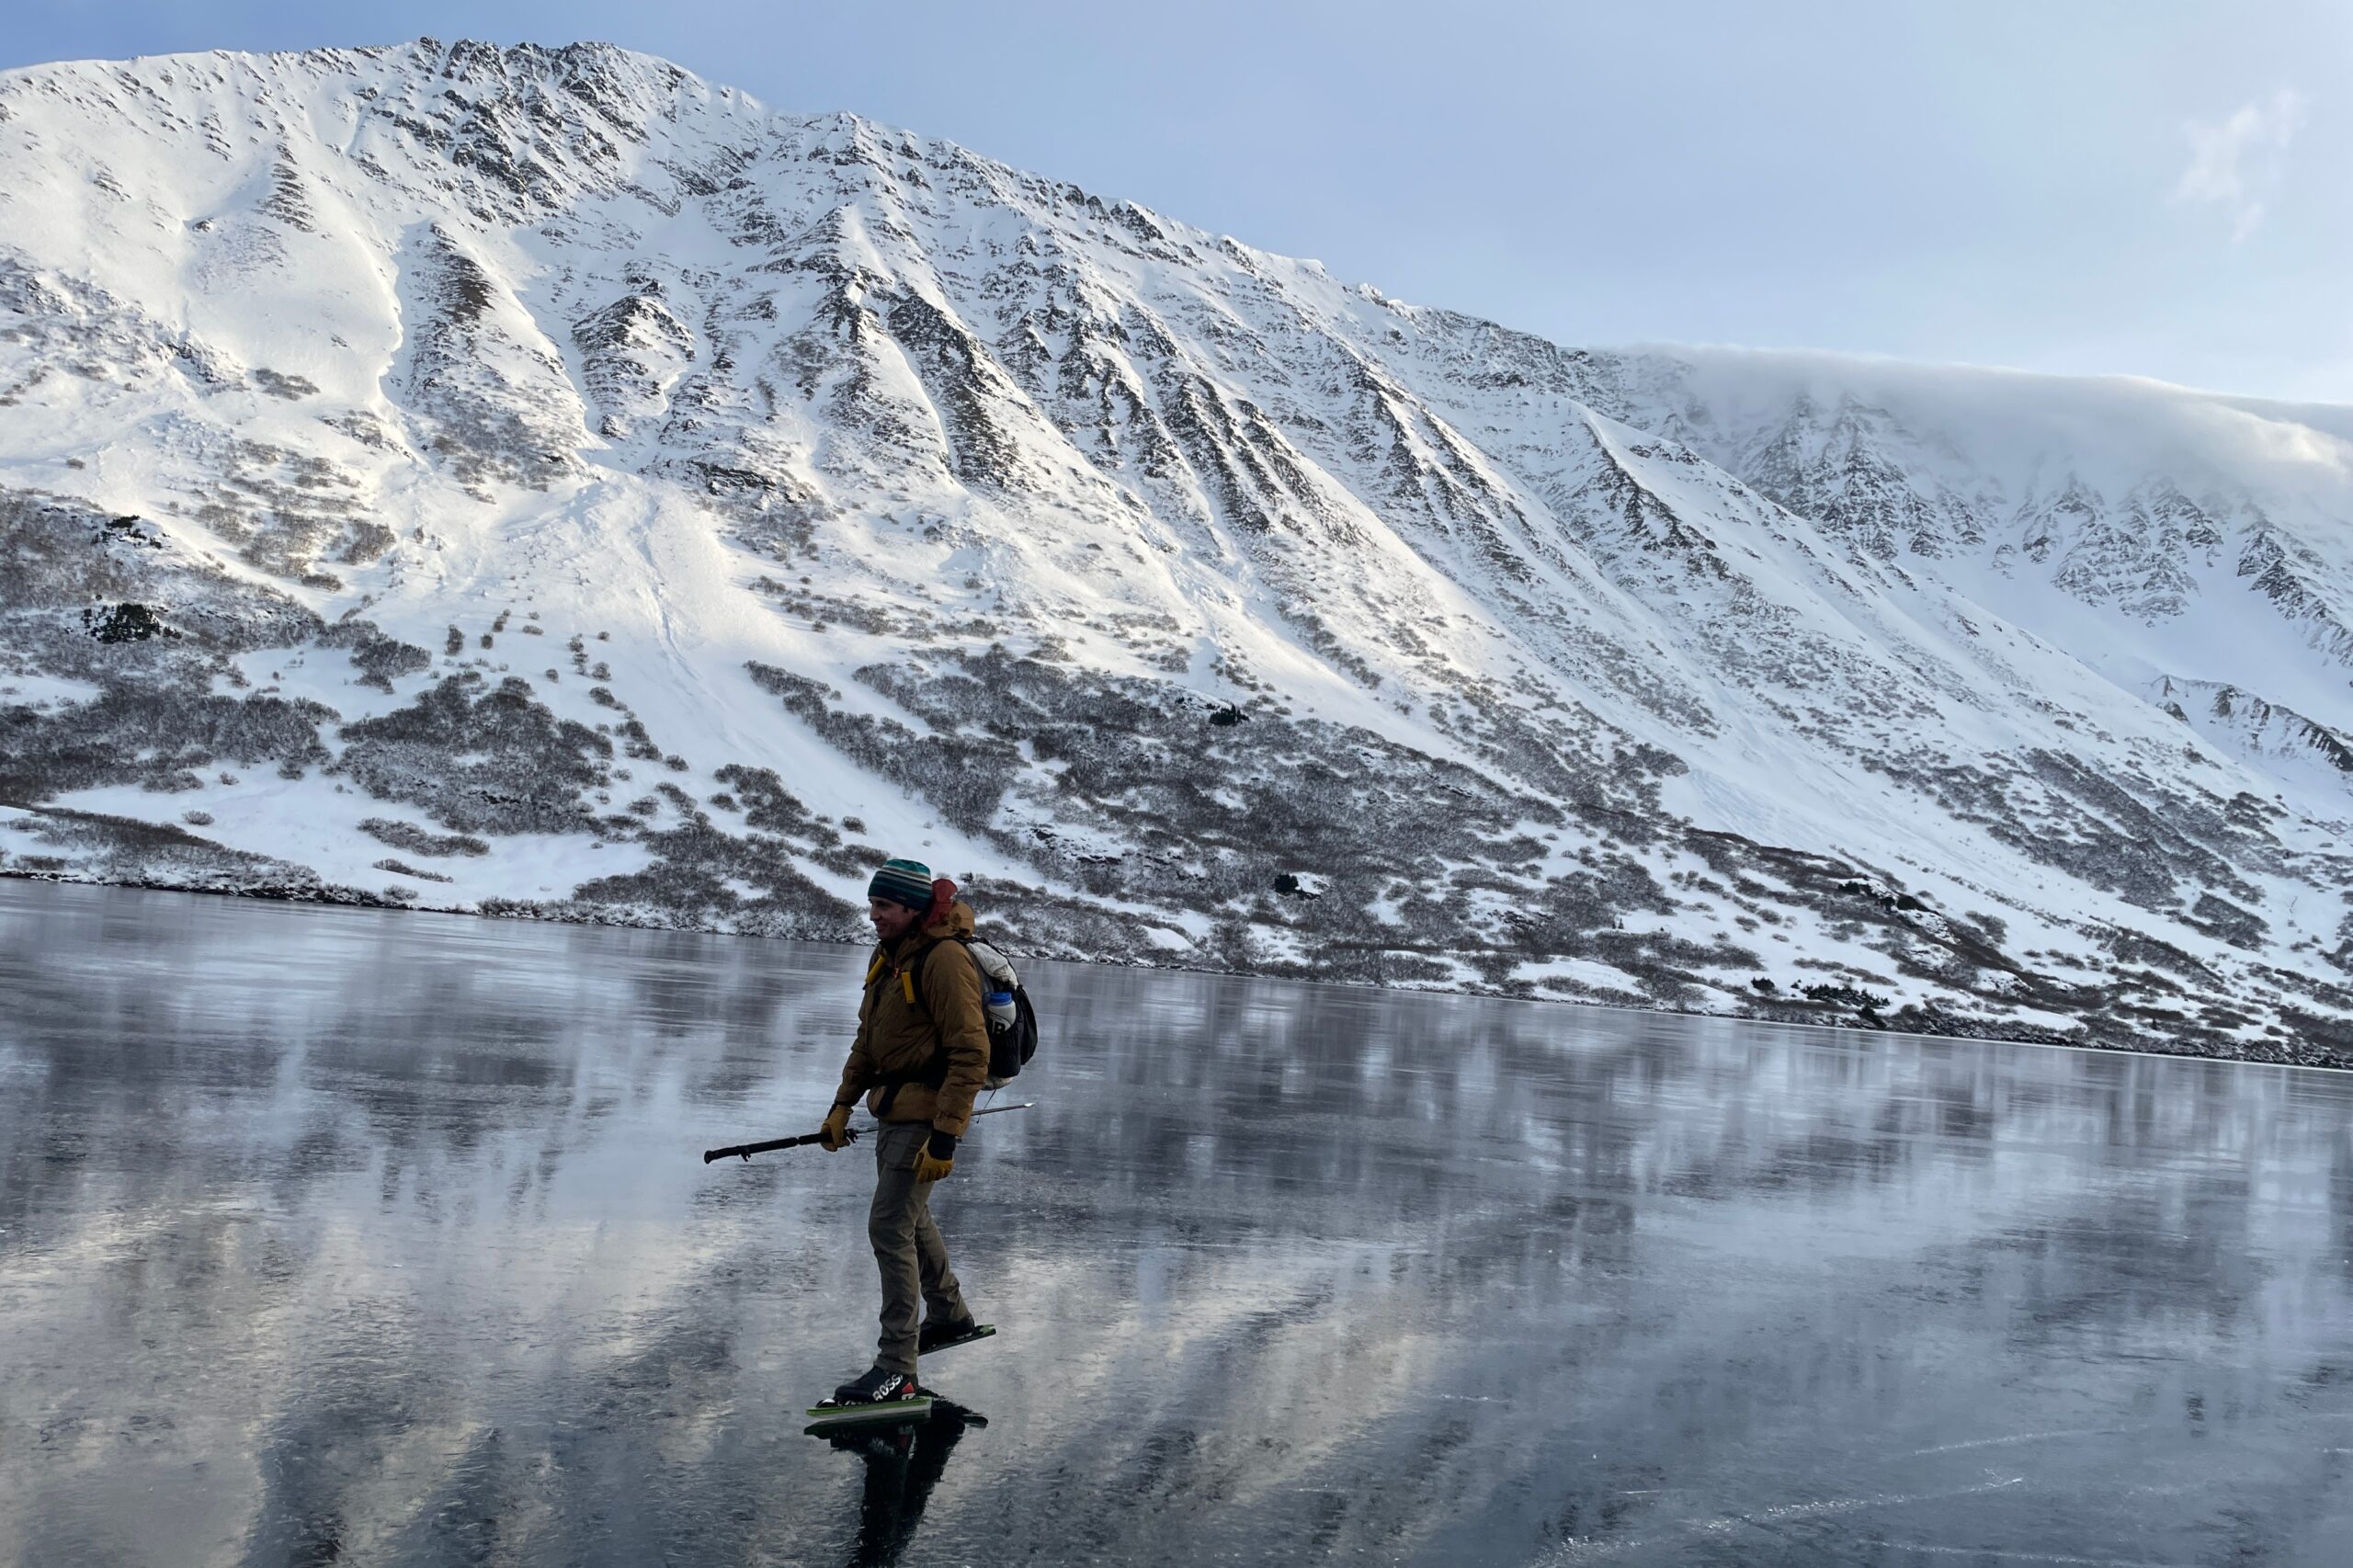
2141,187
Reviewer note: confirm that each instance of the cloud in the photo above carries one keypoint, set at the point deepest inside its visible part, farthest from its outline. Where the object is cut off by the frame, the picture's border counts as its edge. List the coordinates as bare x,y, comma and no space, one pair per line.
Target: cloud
2234,162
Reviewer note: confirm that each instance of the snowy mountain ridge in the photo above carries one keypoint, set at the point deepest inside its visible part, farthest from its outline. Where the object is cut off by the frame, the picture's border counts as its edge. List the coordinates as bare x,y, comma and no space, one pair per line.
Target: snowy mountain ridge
541,482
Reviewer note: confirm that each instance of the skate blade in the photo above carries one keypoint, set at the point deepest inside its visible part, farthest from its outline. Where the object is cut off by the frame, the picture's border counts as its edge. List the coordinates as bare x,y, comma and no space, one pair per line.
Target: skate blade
981,1332
826,1417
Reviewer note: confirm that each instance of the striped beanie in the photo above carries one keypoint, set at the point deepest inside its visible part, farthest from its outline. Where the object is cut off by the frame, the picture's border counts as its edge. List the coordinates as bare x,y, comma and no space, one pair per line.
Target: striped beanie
902,881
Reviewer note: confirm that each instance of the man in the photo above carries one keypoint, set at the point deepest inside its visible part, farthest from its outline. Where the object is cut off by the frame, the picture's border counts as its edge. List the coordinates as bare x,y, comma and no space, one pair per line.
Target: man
921,1052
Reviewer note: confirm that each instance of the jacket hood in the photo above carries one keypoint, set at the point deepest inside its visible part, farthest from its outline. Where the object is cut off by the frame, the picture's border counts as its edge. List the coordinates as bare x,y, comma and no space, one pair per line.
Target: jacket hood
956,921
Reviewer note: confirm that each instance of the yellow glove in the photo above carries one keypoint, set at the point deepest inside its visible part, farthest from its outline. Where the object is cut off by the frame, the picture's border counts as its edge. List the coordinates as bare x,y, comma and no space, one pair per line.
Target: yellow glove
835,1133
939,1157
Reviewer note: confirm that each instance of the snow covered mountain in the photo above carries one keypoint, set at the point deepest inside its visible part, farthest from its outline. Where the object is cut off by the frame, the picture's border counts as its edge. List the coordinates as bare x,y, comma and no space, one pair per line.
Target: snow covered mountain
540,481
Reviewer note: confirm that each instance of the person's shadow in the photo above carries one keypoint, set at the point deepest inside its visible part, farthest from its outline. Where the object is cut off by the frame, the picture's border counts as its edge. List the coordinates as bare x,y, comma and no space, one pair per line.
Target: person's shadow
903,1464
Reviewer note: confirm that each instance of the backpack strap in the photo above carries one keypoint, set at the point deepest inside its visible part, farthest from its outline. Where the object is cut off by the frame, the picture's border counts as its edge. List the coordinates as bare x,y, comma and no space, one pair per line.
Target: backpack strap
907,974
912,975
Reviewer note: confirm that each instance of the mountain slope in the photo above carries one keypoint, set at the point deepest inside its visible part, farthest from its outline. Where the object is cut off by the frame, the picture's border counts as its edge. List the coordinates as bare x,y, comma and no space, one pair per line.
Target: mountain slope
538,481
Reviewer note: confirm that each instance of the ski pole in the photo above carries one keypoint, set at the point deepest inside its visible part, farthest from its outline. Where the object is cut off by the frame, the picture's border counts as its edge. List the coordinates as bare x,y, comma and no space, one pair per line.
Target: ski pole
849,1135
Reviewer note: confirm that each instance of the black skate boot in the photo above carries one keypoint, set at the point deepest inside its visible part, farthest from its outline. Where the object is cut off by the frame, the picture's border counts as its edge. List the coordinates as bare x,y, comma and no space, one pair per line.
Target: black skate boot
878,1396
876,1387
947,1335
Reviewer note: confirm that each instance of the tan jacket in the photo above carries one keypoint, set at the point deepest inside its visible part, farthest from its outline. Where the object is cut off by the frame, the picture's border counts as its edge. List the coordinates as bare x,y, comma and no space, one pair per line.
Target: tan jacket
937,1032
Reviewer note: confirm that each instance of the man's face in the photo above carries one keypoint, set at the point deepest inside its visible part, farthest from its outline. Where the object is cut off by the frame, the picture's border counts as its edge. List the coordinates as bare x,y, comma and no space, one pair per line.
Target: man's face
890,920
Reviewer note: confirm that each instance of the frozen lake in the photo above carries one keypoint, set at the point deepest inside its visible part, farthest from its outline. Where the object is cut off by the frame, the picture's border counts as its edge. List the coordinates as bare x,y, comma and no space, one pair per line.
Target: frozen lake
333,1236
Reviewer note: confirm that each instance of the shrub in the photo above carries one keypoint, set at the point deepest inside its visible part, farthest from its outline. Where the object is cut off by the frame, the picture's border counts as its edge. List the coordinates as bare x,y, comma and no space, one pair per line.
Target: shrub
417,841
481,761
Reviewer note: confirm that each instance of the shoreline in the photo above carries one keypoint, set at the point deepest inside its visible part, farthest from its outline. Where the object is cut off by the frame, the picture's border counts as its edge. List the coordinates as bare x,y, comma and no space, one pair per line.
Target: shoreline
330,896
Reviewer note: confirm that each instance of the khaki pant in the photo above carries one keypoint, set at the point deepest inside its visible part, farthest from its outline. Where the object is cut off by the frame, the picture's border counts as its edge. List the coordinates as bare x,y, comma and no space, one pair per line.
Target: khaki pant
908,1247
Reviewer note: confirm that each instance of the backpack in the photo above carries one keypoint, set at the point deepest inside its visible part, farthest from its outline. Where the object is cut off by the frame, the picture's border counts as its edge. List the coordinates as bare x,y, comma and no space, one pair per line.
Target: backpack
1013,1022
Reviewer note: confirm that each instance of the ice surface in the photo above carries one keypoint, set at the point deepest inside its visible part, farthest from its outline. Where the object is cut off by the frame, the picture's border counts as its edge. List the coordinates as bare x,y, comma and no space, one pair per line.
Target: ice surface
331,1233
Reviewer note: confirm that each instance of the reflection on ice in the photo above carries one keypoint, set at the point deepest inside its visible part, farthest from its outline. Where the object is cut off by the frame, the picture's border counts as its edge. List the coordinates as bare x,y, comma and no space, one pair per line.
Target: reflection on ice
902,1462
386,1237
